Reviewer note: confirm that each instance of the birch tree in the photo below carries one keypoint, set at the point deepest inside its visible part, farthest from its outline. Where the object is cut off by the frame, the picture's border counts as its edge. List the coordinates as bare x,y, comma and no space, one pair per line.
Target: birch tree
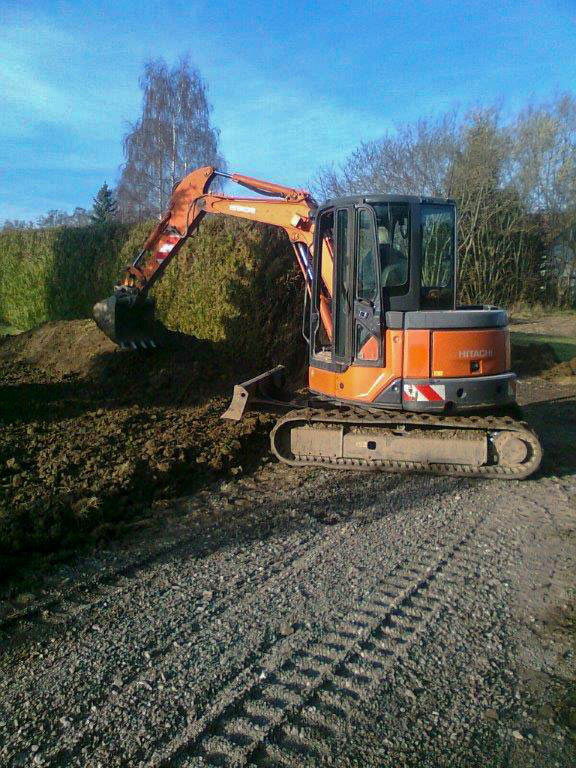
173,136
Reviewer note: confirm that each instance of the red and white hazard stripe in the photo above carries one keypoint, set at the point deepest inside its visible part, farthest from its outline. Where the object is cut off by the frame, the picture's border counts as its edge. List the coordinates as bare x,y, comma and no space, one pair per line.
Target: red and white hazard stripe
428,393
166,248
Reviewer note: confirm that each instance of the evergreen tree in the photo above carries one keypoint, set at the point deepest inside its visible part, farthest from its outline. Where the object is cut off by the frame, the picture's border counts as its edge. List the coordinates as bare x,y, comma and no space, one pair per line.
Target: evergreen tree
105,205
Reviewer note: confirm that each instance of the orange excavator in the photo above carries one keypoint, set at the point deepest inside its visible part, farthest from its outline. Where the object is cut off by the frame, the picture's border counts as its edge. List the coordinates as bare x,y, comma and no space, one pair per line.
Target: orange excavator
400,378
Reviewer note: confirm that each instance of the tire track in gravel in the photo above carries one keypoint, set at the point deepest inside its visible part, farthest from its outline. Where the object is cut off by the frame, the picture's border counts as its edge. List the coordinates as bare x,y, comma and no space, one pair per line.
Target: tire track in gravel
301,560
234,728
458,594
205,501
82,590
297,560
309,731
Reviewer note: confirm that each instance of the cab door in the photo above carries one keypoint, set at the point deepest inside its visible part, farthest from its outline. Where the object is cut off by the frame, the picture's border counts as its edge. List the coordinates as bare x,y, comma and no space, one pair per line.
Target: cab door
367,329
343,285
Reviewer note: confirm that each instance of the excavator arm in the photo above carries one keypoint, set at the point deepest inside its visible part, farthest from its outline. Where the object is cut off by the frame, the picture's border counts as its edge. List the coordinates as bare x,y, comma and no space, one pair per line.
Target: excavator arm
127,317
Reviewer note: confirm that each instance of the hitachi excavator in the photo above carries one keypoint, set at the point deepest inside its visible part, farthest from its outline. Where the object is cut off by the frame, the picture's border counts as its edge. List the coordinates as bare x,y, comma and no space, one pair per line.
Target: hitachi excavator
401,378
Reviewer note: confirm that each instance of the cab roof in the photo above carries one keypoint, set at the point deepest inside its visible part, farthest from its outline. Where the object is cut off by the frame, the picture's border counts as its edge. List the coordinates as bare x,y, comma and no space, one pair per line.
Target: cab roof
381,198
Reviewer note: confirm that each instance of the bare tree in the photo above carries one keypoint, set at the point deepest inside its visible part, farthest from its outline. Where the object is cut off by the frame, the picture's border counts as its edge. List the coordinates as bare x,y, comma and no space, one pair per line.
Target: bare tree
545,176
17,224
56,218
468,158
416,159
173,136
491,216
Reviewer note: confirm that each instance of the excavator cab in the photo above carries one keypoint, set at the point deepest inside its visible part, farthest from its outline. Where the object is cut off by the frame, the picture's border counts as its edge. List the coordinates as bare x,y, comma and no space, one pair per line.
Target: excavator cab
387,265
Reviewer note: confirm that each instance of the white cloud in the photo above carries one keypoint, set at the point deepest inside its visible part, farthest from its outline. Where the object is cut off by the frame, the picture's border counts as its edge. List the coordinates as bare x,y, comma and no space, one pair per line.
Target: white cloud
271,124
24,85
51,95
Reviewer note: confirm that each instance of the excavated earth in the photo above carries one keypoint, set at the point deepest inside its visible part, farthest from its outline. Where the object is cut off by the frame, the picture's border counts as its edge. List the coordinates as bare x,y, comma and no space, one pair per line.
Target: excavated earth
90,435
248,613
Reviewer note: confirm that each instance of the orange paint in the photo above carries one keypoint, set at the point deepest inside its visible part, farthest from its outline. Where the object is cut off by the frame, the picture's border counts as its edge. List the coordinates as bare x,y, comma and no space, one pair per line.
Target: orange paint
453,352
417,354
411,354
358,382
370,350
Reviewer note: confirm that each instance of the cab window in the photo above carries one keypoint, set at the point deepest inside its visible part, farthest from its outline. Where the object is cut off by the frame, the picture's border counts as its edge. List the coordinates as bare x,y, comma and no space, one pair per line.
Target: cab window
393,222
366,282
437,276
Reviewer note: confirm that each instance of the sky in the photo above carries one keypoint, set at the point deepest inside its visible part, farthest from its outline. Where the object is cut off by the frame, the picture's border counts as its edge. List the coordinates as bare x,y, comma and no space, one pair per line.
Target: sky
294,85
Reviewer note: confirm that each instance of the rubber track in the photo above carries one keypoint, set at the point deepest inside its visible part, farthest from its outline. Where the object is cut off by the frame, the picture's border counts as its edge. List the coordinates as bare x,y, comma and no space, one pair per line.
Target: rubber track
319,683
391,419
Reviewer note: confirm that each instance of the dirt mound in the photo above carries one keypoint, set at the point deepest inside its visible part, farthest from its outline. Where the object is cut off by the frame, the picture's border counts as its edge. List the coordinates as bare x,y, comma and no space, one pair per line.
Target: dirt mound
73,360
565,370
61,349
90,434
533,359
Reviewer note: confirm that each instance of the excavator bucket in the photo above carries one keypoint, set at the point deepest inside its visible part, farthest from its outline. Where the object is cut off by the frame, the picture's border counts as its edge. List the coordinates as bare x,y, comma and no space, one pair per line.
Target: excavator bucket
127,320
263,390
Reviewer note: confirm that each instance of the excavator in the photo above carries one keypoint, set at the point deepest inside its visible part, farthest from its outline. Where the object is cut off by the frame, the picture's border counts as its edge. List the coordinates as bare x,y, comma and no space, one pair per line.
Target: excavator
400,378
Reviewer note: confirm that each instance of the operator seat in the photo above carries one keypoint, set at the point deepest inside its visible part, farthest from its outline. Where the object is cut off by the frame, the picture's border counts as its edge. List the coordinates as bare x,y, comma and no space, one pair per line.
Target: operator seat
393,266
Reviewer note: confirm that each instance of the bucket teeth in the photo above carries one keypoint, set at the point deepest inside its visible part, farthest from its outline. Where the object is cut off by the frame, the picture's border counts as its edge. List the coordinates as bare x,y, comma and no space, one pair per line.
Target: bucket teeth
127,319
138,344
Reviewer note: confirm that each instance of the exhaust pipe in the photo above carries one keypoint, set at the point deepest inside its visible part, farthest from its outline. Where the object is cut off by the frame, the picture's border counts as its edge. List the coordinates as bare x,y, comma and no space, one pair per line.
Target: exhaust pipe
127,319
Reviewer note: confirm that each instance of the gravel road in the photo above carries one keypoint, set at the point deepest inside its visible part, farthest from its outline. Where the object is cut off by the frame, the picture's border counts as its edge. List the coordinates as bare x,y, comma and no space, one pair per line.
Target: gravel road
303,618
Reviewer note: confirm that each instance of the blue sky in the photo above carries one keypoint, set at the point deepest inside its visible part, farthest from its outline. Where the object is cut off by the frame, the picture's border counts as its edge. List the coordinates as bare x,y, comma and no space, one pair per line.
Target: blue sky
294,85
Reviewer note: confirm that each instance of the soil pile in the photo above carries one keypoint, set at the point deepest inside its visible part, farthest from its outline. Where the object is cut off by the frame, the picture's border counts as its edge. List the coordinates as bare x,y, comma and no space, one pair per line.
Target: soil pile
533,359
565,370
90,435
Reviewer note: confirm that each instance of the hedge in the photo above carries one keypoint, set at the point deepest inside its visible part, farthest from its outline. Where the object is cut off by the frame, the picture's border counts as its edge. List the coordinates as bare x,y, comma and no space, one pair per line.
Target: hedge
233,282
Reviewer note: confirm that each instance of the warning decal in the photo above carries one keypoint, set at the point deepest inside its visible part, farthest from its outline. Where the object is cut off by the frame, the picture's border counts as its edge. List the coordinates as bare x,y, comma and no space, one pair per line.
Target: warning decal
424,392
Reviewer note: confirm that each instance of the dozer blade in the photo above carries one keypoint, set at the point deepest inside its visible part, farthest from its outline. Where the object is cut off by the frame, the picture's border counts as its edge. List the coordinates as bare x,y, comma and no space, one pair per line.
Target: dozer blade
262,390
127,320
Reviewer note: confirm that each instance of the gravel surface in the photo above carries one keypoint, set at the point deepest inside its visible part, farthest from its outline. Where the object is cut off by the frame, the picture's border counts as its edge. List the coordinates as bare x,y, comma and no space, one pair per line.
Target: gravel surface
303,618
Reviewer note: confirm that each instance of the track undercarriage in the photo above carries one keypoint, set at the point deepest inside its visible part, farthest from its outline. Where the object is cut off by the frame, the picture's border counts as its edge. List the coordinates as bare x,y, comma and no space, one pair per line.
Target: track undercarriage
396,441
321,433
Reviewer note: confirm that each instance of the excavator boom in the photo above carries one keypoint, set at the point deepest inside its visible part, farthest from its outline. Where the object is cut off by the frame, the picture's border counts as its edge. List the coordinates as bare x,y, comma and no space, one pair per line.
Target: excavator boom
127,317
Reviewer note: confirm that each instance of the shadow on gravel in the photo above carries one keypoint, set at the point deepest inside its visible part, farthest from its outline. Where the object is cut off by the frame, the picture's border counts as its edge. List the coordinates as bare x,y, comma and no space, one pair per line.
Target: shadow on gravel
554,421
200,530
324,502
